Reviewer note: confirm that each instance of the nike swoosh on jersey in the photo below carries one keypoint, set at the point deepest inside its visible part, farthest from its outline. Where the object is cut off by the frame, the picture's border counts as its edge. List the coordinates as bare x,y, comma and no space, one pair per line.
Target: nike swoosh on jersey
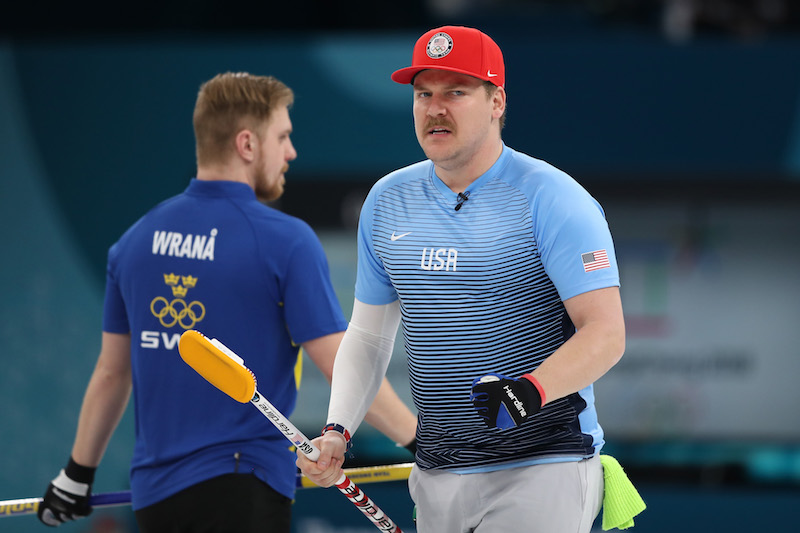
395,237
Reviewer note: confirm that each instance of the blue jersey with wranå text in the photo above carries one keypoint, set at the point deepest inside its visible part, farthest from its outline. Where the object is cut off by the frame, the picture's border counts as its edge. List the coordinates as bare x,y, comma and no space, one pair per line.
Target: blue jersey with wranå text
217,260
481,290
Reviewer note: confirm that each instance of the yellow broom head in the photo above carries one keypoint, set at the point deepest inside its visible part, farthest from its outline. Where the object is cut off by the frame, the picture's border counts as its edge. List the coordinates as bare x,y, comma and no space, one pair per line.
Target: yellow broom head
218,365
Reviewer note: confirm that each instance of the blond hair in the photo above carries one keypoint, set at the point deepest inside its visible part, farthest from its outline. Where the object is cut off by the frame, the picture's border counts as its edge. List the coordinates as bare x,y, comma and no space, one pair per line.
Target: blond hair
229,103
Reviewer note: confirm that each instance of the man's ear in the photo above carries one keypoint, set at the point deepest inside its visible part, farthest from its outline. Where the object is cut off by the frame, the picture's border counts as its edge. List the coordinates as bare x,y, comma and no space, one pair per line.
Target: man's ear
499,102
246,145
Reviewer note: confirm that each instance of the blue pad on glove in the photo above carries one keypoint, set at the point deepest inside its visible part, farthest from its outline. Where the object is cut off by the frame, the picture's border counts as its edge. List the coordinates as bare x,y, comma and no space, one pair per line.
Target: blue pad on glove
504,402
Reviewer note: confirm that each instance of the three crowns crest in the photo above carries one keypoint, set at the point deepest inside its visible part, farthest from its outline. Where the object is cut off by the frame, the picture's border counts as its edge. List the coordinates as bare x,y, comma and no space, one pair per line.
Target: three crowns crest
180,284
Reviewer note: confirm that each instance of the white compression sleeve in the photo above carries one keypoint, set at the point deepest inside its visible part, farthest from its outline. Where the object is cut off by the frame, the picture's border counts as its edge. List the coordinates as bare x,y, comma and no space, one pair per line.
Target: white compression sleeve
361,362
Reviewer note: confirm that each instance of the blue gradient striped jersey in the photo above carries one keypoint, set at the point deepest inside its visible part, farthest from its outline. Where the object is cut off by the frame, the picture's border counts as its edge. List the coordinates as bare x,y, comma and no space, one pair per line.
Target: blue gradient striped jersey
481,290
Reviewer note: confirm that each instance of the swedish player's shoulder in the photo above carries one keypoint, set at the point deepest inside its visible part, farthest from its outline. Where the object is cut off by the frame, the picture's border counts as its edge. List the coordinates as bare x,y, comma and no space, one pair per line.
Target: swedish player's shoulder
141,229
290,223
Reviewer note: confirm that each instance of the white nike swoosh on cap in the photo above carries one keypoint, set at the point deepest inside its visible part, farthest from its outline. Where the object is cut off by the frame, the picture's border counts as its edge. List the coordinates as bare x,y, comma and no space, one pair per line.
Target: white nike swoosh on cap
395,237
489,73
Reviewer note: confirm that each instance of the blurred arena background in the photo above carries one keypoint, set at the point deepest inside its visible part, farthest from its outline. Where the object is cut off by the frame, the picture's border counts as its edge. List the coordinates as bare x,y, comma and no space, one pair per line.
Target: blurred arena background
681,116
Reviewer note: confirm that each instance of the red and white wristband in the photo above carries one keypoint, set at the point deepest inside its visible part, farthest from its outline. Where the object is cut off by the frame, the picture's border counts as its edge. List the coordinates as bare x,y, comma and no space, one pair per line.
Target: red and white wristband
339,429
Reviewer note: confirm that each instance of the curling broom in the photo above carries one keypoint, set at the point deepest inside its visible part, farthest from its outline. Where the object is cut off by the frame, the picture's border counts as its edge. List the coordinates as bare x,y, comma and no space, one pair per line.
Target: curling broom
362,474
221,367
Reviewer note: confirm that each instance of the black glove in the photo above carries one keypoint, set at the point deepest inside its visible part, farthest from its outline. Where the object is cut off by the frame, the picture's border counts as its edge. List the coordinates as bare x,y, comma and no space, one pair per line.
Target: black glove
504,402
67,496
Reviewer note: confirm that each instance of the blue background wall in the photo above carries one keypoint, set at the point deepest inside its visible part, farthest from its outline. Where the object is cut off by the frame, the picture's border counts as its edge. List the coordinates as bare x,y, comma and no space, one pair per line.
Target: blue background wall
113,117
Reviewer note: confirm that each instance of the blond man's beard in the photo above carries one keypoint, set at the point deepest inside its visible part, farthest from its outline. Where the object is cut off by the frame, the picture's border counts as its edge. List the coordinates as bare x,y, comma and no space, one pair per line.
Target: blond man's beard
270,194
267,193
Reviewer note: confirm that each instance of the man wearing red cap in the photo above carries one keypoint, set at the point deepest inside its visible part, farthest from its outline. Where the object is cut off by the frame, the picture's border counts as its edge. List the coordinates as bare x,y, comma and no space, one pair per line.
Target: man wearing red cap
502,270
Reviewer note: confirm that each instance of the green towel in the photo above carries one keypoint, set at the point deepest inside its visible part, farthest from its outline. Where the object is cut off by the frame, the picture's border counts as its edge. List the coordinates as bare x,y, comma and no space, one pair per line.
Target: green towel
621,501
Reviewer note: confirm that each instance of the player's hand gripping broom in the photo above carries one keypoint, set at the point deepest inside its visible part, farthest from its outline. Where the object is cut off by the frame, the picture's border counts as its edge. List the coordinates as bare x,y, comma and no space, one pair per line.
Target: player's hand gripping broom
225,370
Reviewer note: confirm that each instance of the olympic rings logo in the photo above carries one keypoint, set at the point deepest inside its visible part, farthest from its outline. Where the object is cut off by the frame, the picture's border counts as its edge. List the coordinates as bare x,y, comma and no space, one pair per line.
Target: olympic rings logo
177,312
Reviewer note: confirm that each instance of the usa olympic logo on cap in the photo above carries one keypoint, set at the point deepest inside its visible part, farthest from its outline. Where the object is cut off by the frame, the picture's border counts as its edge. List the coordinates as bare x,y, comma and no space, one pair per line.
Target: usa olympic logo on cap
439,45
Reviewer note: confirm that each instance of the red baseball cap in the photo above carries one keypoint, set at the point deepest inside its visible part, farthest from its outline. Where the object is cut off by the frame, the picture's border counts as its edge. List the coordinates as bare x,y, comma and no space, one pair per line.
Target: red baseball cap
457,49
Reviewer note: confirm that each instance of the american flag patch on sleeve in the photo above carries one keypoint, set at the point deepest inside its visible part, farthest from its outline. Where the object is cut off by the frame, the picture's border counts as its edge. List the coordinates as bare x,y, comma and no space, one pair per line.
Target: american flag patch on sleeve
595,260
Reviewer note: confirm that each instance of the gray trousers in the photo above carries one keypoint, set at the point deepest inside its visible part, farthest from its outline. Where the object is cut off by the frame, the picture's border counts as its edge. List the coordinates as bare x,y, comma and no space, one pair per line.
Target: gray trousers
546,498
